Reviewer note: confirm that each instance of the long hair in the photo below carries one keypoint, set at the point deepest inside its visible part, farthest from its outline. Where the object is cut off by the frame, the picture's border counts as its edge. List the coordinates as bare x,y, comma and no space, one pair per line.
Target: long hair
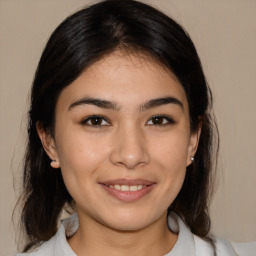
79,41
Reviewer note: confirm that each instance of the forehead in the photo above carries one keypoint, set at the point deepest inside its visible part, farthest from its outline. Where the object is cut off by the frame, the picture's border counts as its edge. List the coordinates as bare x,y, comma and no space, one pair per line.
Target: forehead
128,79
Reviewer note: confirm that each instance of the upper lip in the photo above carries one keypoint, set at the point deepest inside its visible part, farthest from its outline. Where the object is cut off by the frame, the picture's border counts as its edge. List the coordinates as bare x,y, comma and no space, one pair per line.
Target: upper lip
128,182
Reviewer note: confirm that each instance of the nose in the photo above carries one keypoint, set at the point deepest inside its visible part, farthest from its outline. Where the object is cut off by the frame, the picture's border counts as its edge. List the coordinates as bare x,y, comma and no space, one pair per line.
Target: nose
130,149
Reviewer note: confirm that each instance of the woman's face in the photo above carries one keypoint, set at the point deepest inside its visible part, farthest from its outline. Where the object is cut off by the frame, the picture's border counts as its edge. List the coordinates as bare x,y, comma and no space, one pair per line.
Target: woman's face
123,142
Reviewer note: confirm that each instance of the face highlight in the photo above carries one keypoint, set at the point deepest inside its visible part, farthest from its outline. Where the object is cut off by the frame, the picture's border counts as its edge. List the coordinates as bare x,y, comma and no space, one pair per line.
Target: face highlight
123,141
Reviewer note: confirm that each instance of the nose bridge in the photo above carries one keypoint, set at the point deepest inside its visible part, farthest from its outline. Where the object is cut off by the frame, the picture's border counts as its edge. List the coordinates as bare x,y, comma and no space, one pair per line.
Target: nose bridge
130,146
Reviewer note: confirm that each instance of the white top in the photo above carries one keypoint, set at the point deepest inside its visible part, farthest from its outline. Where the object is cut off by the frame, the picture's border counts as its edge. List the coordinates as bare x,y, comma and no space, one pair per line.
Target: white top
194,246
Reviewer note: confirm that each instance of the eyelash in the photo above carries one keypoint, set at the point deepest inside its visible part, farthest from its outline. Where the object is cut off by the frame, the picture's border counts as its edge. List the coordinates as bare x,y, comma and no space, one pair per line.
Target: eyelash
167,121
90,118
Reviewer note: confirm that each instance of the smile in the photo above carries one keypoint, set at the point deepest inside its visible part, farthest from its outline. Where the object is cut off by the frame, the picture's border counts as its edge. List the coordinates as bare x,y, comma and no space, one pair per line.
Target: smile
128,190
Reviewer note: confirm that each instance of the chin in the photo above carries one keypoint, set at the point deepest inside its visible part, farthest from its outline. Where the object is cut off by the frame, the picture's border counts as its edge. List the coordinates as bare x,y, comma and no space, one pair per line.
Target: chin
129,221
128,225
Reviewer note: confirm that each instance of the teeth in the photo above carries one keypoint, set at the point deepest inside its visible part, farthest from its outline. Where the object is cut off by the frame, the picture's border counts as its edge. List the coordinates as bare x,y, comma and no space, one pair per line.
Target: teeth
127,188
117,187
133,188
124,188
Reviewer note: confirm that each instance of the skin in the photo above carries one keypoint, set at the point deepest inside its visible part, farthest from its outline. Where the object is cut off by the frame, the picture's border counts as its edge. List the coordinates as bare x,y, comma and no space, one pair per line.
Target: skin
129,144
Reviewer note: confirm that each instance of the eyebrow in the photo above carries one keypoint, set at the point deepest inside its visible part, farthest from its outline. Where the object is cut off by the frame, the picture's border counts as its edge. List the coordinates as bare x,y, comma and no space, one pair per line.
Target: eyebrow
114,106
159,102
96,102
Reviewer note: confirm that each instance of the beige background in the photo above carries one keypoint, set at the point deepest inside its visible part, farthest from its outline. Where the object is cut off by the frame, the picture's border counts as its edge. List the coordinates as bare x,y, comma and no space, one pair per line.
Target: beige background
224,32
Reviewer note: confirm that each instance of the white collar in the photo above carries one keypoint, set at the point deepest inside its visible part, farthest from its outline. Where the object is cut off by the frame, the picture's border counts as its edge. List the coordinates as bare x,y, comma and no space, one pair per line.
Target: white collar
70,225
185,237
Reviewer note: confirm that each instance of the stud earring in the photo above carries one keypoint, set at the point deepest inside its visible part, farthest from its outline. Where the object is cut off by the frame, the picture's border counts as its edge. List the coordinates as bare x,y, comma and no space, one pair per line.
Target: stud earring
55,164
192,159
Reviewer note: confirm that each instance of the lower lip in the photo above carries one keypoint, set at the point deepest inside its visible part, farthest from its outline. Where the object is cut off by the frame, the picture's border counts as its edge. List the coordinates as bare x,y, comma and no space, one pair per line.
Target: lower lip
128,196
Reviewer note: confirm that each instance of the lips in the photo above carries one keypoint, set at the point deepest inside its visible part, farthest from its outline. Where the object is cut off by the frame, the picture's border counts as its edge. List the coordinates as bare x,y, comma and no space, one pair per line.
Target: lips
128,182
127,190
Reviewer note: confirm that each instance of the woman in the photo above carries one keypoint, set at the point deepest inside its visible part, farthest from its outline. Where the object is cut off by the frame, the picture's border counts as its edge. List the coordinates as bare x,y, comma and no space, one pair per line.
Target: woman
121,133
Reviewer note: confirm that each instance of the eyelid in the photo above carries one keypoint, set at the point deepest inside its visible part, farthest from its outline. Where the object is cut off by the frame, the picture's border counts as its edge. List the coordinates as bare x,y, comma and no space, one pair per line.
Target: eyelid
86,119
168,118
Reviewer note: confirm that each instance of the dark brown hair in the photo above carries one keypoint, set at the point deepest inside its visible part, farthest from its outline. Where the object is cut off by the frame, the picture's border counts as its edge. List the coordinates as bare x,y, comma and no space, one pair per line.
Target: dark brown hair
80,41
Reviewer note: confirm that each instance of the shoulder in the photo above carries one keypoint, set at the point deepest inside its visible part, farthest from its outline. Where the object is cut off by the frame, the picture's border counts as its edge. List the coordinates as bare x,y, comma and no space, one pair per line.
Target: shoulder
245,249
240,249
58,244
195,245
224,247
47,248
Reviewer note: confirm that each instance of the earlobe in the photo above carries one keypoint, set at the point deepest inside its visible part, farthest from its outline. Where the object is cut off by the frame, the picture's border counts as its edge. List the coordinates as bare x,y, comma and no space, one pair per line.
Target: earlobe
48,144
193,144
55,164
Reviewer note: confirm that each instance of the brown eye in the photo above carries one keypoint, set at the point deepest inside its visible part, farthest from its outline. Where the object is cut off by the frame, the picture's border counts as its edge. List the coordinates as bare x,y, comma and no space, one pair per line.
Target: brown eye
160,120
157,120
95,121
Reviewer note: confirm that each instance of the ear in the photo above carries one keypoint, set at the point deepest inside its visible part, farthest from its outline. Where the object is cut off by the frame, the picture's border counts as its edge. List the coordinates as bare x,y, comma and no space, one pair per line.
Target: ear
49,145
193,144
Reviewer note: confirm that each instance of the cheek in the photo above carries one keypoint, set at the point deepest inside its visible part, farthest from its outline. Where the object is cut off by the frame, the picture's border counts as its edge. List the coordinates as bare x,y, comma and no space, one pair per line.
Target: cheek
171,150
170,155
80,159
79,155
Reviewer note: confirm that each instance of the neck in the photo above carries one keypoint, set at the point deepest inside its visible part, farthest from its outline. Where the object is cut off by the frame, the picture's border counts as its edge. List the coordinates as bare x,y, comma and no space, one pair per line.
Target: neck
92,238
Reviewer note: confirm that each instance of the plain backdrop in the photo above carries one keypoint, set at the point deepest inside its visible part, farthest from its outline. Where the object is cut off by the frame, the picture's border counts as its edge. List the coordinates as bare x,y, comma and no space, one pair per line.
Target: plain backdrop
224,32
